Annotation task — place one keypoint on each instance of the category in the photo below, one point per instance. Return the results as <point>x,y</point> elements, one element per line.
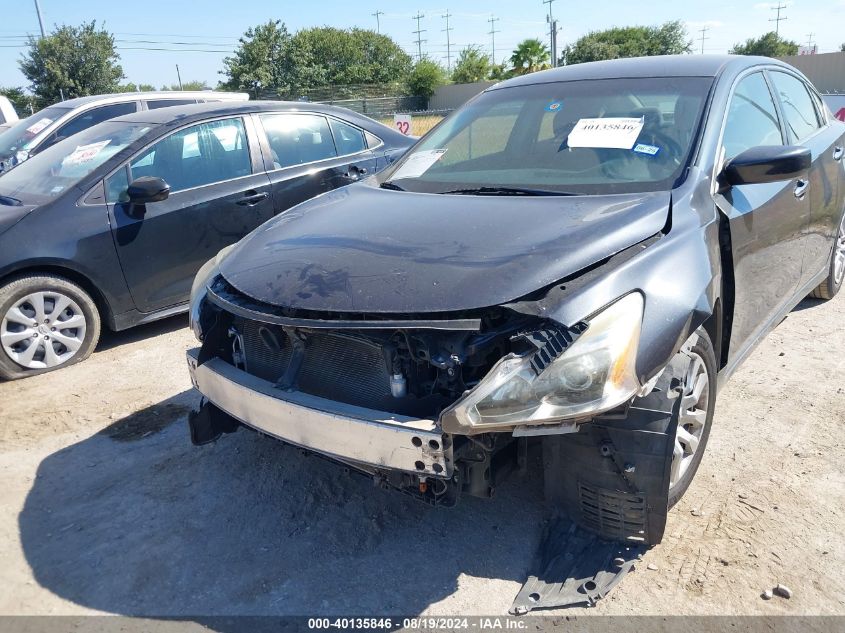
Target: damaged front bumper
<point>348,433</point>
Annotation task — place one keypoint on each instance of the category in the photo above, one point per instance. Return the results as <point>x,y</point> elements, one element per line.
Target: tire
<point>700,359</point>
<point>33,309</point>
<point>829,288</point>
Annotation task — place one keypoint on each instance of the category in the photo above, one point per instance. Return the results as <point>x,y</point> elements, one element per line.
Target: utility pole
<point>492,34</point>
<point>448,30</point>
<point>703,37</point>
<point>40,21</point>
<point>419,16</point>
<point>810,43</point>
<point>778,19</point>
<point>179,76</point>
<point>552,32</point>
<point>378,22</point>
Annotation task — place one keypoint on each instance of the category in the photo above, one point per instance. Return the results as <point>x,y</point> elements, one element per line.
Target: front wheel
<point>831,286</point>
<point>46,323</point>
<point>697,390</point>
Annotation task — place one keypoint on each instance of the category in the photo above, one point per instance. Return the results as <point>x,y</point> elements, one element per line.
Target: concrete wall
<point>826,71</point>
<point>455,95</point>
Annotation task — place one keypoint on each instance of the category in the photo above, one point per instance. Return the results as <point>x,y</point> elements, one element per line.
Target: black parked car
<point>112,224</point>
<point>580,256</point>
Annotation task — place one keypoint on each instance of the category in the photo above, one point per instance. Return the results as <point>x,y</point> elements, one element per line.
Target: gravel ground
<point>106,507</point>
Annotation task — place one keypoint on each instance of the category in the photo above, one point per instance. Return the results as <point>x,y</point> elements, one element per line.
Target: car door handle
<point>801,188</point>
<point>252,198</point>
<point>837,153</point>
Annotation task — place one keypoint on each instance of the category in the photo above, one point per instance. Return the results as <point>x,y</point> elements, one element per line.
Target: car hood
<point>365,249</point>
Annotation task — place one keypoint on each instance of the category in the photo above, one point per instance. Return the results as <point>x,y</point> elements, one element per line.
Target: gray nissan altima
<point>576,259</point>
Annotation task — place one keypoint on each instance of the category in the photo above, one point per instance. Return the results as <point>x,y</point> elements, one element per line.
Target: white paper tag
<point>611,132</point>
<point>39,125</point>
<point>84,153</point>
<point>419,163</point>
<point>402,122</point>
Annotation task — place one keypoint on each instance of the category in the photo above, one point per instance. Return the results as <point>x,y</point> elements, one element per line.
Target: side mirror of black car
<point>147,189</point>
<point>768,164</point>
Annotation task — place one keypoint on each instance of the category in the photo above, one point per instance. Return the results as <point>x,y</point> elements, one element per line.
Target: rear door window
<point>297,139</point>
<point>798,107</point>
<point>347,138</point>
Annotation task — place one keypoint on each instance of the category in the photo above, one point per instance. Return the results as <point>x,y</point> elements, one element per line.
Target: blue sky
<point>197,35</point>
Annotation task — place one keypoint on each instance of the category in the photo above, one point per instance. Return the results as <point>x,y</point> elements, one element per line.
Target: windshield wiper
<point>389,185</point>
<point>9,201</point>
<point>506,191</point>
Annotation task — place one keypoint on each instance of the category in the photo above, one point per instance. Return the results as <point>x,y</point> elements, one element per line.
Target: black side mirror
<point>768,164</point>
<point>147,189</point>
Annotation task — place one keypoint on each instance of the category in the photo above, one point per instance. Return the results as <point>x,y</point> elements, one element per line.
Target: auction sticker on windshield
<point>39,125</point>
<point>419,163</point>
<point>84,153</point>
<point>611,132</point>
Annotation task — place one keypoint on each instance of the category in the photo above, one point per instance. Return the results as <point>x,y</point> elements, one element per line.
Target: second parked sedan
<point>113,224</point>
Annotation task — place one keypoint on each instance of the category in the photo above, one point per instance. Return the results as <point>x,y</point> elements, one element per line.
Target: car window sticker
<point>649,150</point>
<point>554,106</point>
<point>419,163</point>
<point>84,153</point>
<point>610,132</point>
<point>39,125</point>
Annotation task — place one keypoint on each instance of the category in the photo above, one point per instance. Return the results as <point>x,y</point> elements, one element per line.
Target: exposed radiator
<point>337,366</point>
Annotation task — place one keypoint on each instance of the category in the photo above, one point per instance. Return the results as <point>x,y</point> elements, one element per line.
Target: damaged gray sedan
<point>577,258</point>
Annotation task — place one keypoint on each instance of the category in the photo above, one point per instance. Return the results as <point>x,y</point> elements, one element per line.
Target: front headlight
<point>199,289</point>
<point>595,374</point>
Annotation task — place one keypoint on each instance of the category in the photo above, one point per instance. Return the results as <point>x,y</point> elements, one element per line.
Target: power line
<point>378,22</point>
<point>448,30</point>
<point>778,19</point>
<point>492,20</point>
<point>419,16</point>
<point>703,37</point>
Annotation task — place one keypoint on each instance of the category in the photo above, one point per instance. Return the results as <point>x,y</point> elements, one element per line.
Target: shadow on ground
<point>110,339</point>
<point>134,520</point>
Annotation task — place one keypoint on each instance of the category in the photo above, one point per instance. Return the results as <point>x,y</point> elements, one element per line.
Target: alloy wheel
<point>695,393</point>
<point>43,330</point>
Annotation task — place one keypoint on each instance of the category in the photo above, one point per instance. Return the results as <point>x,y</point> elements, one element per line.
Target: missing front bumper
<point>344,432</point>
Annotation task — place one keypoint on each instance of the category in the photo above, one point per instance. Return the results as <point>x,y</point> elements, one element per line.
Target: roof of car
<point>153,94</point>
<point>655,66</point>
<point>179,114</point>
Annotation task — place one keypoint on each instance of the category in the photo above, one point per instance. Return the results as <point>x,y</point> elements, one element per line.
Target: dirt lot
<point>106,507</point>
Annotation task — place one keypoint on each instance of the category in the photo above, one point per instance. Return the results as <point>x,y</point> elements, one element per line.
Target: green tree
<point>472,65</point>
<point>330,56</point>
<point>260,62</point>
<point>19,99</point>
<point>132,87</point>
<point>769,45</point>
<point>500,72</point>
<point>425,78</point>
<point>71,62</point>
<point>530,56</point>
<point>669,38</point>
<point>842,47</point>
<point>188,85</point>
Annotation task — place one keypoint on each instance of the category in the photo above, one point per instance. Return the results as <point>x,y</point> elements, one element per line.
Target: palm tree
<point>530,56</point>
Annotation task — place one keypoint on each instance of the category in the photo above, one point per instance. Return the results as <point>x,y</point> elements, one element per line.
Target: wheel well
<point>71,275</point>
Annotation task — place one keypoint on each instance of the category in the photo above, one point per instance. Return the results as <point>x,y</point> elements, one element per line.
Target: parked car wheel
<point>830,286</point>
<point>46,322</point>
<point>698,402</point>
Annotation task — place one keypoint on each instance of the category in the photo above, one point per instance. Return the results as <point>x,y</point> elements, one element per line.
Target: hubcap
<point>43,330</point>
<point>839,255</point>
<point>694,399</point>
